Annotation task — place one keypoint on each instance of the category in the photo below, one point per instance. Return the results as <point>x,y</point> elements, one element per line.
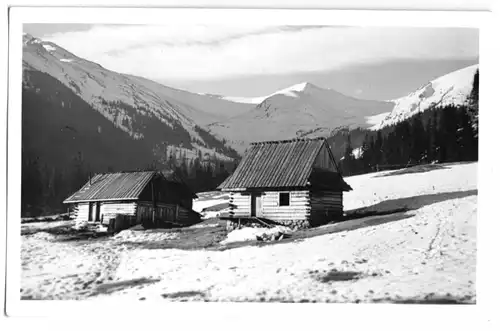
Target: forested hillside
<point>439,134</point>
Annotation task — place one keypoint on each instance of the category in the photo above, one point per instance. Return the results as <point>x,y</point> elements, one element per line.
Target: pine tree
<point>418,140</point>
<point>473,102</point>
<point>31,187</point>
<point>380,155</point>
<point>366,157</point>
<point>348,160</point>
<point>79,174</point>
<point>431,141</point>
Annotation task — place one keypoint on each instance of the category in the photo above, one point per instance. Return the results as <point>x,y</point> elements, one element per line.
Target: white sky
<point>221,52</point>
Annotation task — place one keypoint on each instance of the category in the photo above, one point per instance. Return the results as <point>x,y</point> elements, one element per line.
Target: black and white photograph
<point>214,160</point>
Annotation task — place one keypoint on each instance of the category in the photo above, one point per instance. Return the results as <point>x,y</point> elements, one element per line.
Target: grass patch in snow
<point>182,294</point>
<point>120,285</point>
<point>335,275</point>
<point>45,219</point>
<point>415,169</point>
<point>431,299</point>
<point>189,238</point>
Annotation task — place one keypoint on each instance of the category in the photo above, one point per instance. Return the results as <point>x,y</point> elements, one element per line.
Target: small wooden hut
<point>292,182</point>
<point>151,197</point>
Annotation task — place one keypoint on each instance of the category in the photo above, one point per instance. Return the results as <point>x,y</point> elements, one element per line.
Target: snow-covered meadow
<point>427,253</point>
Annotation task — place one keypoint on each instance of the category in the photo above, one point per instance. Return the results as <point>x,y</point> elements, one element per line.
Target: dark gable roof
<point>180,185</point>
<point>119,186</point>
<point>273,164</point>
<point>113,186</point>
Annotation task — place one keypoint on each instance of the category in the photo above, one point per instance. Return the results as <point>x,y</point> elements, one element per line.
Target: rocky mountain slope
<point>300,110</point>
<point>143,109</point>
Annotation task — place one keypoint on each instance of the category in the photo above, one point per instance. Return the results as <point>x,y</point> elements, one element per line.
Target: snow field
<point>429,250</point>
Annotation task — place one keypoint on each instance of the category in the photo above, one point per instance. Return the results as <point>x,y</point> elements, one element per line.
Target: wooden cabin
<point>291,182</point>
<point>152,197</point>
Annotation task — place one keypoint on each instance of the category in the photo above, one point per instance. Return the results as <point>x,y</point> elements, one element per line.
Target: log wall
<point>239,205</point>
<point>326,206</point>
<point>299,208</point>
<point>81,212</point>
<point>166,213</point>
<point>143,211</point>
<point>108,210</point>
<point>188,216</point>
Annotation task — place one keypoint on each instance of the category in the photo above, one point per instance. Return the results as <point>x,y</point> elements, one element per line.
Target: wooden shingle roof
<point>276,164</point>
<point>113,186</point>
<point>123,186</point>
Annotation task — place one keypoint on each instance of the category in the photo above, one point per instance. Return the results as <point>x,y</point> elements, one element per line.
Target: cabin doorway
<point>256,205</point>
<point>94,212</point>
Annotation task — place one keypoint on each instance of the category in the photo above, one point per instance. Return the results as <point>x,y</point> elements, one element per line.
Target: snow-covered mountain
<point>181,121</point>
<point>300,110</point>
<point>135,105</point>
<point>453,88</point>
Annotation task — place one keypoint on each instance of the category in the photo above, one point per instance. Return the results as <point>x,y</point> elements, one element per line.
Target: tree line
<point>439,134</point>
<point>201,173</point>
<point>45,187</point>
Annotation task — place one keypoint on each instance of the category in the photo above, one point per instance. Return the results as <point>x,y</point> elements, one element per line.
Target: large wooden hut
<point>148,197</point>
<point>292,182</point>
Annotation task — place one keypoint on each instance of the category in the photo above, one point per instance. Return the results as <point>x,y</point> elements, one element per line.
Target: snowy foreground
<point>424,254</point>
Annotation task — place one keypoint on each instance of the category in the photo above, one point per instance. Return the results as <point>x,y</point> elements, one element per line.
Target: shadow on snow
<point>409,203</point>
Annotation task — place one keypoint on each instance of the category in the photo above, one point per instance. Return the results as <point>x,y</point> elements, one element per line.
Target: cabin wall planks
<point>327,206</point>
<point>317,207</point>
<point>240,205</point>
<point>110,210</point>
<point>298,208</point>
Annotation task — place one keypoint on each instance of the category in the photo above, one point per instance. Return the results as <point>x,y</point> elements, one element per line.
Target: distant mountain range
<point>155,121</point>
<point>300,110</point>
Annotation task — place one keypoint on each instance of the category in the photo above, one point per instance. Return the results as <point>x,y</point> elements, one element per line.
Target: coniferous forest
<point>439,134</point>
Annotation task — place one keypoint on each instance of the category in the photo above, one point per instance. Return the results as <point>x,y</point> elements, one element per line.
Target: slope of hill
<point>427,254</point>
<point>300,110</point>
<point>141,108</point>
<point>451,89</point>
<point>58,126</point>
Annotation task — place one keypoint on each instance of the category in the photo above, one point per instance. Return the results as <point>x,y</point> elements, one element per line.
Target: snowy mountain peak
<point>453,88</point>
<point>301,87</point>
<point>299,110</point>
<point>29,39</point>
<point>292,91</point>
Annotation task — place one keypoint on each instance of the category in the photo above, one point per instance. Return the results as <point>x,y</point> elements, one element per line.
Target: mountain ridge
<point>300,110</point>
<point>122,98</point>
<point>451,89</point>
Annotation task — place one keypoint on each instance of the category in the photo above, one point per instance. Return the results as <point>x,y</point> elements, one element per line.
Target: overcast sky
<point>373,63</point>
